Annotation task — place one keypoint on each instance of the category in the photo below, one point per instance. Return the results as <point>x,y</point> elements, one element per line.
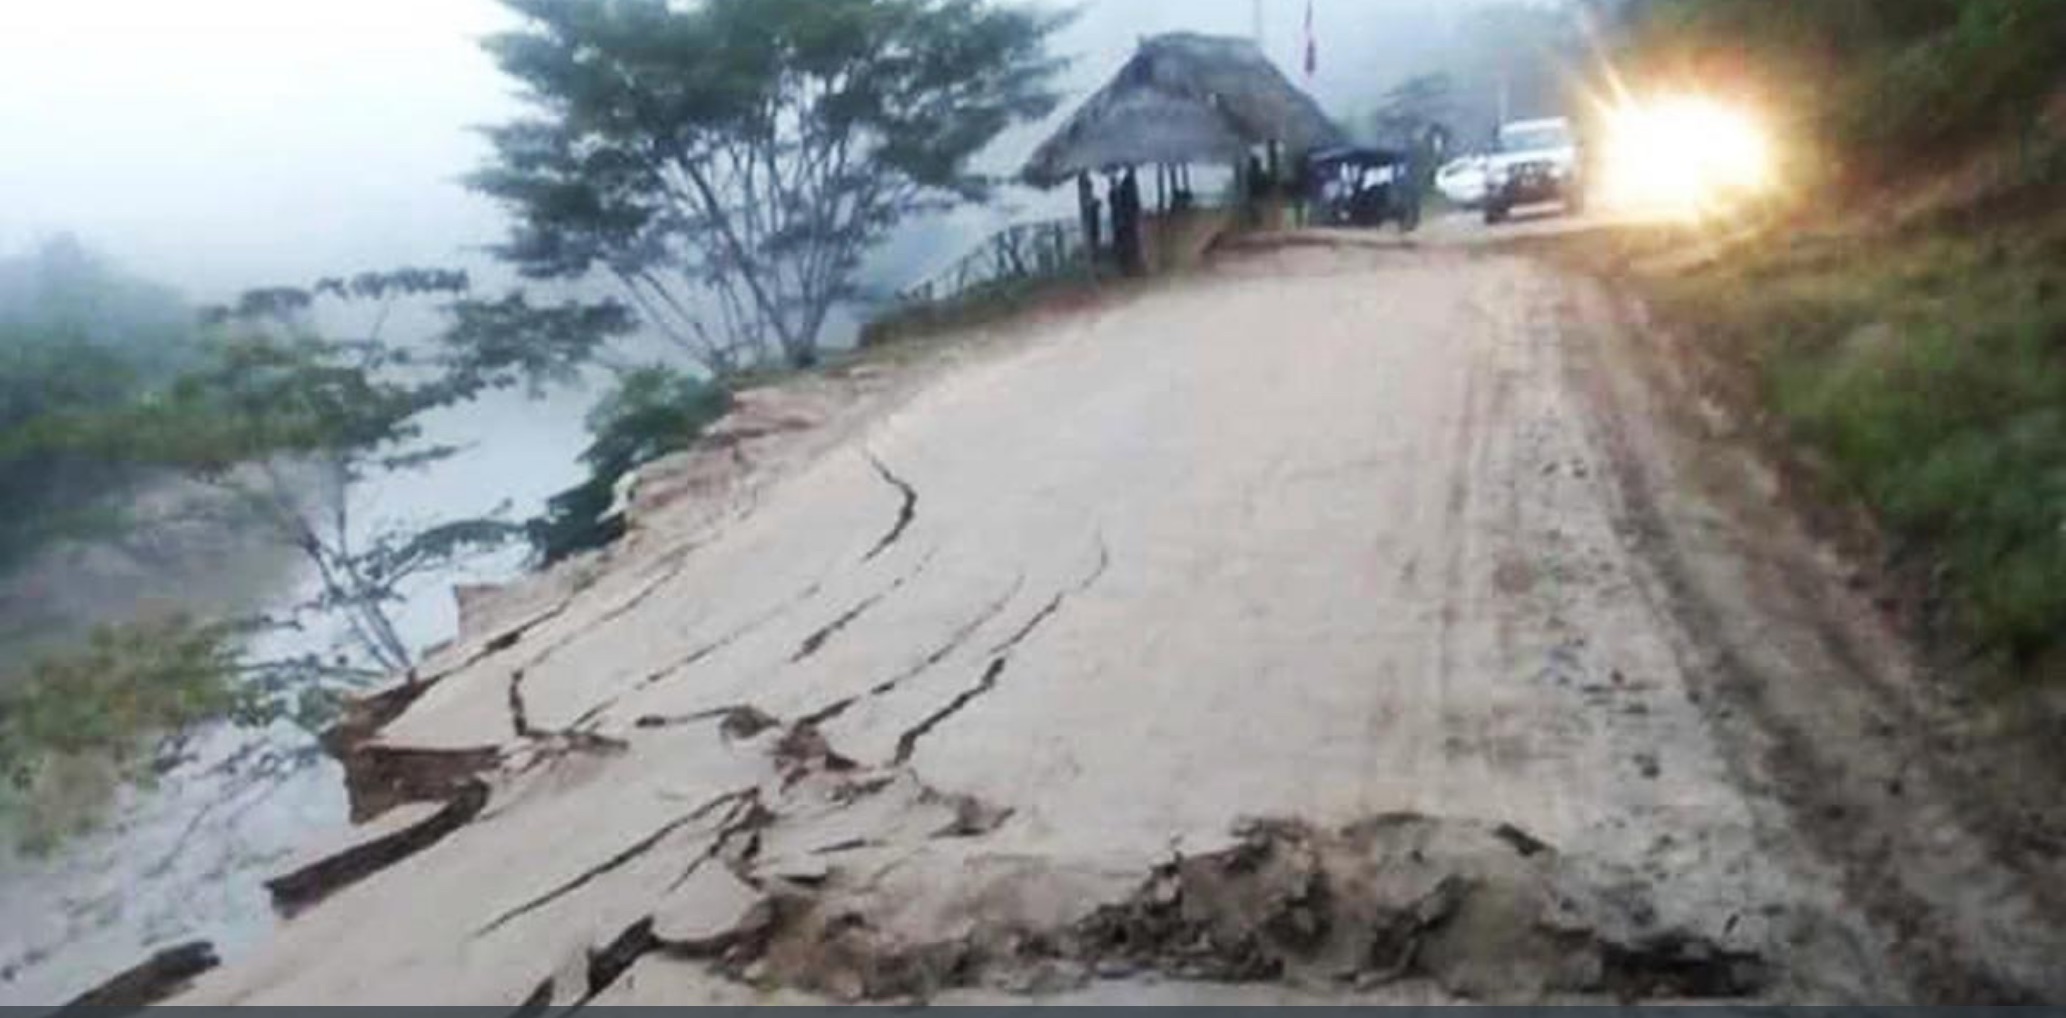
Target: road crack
<point>816,642</point>
<point>677,564</point>
<point>1000,661</point>
<point>907,511</point>
<point>907,743</point>
<point>519,712</point>
<point>553,743</point>
<point>748,816</point>
<point>698,656</point>
<point>954,642</point>
<point>738,723</point>
<point>623,858</point>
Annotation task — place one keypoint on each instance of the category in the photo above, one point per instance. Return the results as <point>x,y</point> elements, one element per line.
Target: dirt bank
<point>1334,626</point>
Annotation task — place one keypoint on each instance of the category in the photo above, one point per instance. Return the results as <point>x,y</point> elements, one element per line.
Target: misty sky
<point>221,144</point>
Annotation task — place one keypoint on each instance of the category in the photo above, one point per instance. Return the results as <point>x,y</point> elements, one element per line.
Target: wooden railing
<point>1027,251</point>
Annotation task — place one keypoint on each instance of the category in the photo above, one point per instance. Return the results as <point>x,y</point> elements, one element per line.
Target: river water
<point>186,859</point>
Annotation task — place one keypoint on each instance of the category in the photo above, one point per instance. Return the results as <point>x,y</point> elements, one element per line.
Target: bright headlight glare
<point>1684,153</point>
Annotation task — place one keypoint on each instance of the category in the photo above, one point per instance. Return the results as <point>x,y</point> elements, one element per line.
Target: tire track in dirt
<point>1791,698</point>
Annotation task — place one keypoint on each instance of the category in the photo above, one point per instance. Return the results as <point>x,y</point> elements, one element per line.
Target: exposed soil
<point>1344,625</point>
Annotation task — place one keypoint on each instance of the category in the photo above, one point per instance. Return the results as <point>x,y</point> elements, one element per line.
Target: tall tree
<point>1522,59</point>
<point>730,163</point>
<point>75,333</point>
<point>263,420</point>
<point>282,421</point>
<point>1414,107</point>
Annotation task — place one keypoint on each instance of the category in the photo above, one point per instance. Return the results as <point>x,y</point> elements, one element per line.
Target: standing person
<point>1126,223</point>
<point>1409,186</point>
<point>1263,205</point>
<point>1301,185</point>
<point>1093,219</point>
<point>1430,150</point>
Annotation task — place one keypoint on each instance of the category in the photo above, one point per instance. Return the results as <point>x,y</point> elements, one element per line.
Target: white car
<point>1537,161</point>
<point>1462,181</point>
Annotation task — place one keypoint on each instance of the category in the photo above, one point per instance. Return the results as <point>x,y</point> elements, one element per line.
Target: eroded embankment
<point>1122,660</point>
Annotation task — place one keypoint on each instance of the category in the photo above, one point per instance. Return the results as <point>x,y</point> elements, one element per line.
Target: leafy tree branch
<point>729,165</point>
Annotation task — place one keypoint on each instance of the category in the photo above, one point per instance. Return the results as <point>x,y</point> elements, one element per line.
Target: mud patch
<point>1485,913</point>
<point>379,778</point>
<point>1515,577</point>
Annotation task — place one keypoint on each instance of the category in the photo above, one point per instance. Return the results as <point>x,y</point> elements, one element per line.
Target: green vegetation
<point>988,304</point>
<point>1930,372</point>
<point>1923,361</point>
<point>268,426</point>
<point>75,335</point>
<point>652,412</point>
<point>278,423</point>
<point>1883,84</point>
<point>730,164</point>
<point>73,727</point>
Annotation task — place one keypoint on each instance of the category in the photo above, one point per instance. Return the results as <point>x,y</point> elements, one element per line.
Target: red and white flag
<point>1312,43</point>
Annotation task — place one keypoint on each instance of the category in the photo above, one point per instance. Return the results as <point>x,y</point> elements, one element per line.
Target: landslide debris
<point>292,892</point>
<point>1471,908</point>
<point>783,891</point>
<point>1487,913</point>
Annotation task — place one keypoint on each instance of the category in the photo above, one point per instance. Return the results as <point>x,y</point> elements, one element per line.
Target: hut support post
<point>1093,219</point>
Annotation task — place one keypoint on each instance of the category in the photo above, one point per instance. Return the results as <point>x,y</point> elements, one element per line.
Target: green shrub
<point>1929,372</point>
<point>1957,431</point>
<point>652,412</point>
<point>1927,368</point>
<point>1985,70</point>
<point>980,306</point>
<point>74,727</point>
<point>76,335</point>
<point>1886,83</point>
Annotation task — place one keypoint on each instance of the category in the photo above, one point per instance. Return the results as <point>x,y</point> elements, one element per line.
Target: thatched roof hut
<point>1184,98</point>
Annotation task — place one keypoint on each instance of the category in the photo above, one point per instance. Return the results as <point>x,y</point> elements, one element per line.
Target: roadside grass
<point>651,412</point>
<point>1890,85</point>
<point>1925,369</point>
<point>981,306</point>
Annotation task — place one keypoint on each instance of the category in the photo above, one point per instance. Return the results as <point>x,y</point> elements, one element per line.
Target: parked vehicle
<point>1536,161</point>
<point>1364,187</point>
<point>1462,181</point>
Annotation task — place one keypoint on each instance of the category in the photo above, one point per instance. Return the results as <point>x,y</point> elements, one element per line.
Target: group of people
<point>1124,190</point>
<point>1399,188</point>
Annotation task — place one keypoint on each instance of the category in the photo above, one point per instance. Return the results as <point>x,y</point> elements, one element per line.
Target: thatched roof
<point>1184,98</point>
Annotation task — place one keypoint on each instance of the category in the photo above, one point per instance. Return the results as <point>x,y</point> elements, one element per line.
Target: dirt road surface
<point>1342,624</point>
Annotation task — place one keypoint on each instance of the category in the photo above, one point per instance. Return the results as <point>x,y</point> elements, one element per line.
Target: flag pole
<point>1312,45</point>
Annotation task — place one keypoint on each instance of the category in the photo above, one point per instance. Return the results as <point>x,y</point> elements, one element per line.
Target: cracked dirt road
<point>1295,633</point>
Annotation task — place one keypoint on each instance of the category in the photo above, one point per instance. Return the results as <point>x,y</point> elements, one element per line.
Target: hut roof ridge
<point>1184,97</point>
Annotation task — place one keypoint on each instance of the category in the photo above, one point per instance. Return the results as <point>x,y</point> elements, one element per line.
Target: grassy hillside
<point>1906,323</point>
<point>1880,87</point>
